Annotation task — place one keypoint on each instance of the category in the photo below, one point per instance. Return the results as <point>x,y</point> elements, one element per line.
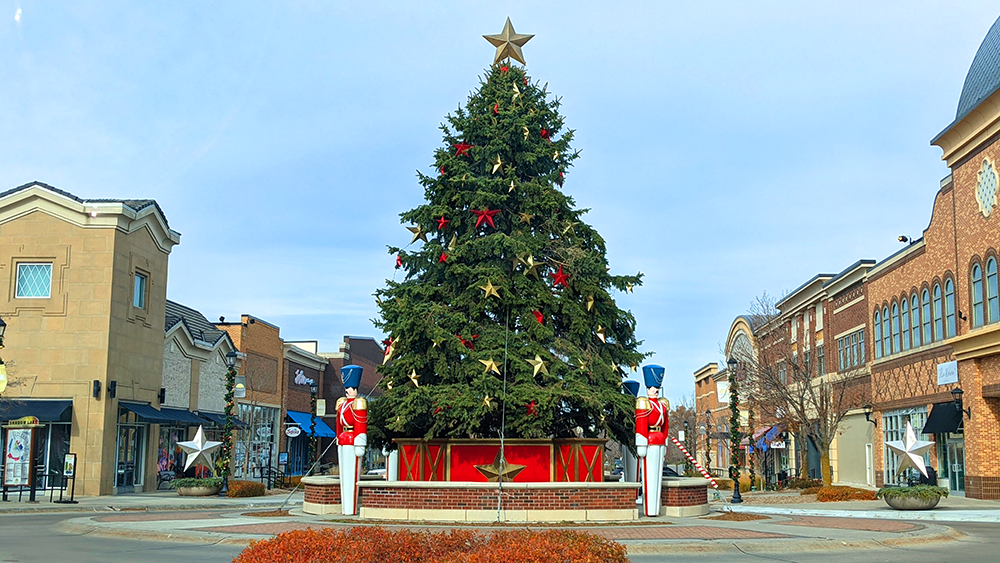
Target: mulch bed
<point>267,513</point>
<point>737,517</point>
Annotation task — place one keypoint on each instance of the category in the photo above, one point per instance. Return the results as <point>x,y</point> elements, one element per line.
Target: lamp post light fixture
<point>869,411</point>
<point>734,431</point>
<point>708,441</point>
<point>956,395</point>
<point>227,427</point>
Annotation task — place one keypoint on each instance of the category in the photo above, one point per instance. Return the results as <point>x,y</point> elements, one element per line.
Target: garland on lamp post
<point>312,424</point>
<point>227,427</point>
<point>708,440</point>
<point>734,432</point>
<point>751,453</point>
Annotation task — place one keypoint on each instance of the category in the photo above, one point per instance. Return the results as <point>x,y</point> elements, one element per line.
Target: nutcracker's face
<point>653,392</point>
<point>351,392</point>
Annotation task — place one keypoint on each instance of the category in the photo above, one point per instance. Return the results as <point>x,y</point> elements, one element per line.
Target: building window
<point>878,336</point>
<point>820,360</point>
<point>893,428</point>
<point>949,306</point>
<point>925,315</point>
<point>34,281</point>
<point>938,318</point>
<point>895,328</point>
<point>851,348</point>
<point>886,348</point>
<point>861,347</point>
<point>992,303</point>
<point>904,323</point>
<point>842,354</point>
<point>977,295</point>
<point>139,290</point>
<point>783,374</point>
<point>915,320</point>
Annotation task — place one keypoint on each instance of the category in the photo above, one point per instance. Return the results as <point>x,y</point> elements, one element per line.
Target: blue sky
<point>729,148</point>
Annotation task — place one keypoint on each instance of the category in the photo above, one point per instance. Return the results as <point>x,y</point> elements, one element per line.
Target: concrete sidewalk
<point>154,501</point>
<point>777,534</point>
<point>950,509</point>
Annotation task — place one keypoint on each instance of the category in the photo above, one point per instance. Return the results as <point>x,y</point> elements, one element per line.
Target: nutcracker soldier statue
<point>352,436</point>
<point>650,438</point>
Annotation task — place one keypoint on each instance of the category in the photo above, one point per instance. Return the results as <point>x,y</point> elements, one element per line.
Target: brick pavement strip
<point>862,524</point>
<point>156,516</point>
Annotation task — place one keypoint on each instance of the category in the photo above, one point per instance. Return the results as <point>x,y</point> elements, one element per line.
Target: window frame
<point>949,308</point>
<point>877,321</point>
<point>992,295</point>
<point>895,328</point>
<point>978,301</point>
<point>915,320</point>
<point>886,332</point>
<point>904,323</point>
<point>938,313</point>
<point>17,280</point>
<point>925,316</point>
<point>144,293</point>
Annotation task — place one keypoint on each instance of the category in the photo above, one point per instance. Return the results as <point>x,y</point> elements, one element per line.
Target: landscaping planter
<point>198,491</point>
<point>912,503</point>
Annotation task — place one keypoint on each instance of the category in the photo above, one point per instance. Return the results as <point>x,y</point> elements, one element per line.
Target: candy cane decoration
<point>695,462</point>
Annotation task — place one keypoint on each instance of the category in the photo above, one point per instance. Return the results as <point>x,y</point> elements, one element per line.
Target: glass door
<point>128,465</point>
<point>956,464</point>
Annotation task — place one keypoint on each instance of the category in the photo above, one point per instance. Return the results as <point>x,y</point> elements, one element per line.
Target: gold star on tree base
<point>500,470</point>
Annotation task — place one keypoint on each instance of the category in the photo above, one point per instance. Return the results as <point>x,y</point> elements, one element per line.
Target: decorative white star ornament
<point>199,448</point>
<point>508,43</point>
<point>910,451</point>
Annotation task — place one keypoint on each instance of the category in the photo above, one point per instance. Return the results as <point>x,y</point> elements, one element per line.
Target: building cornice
<point>976,343</point>
<point>295,354</point>
<point>965,135</point>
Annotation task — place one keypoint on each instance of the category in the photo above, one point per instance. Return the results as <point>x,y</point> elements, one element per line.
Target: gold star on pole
<point>490,366</point>
<point>508,43</point>
<point>486,401</point>
<point>418,233</point>
<point>454,242</point>
<point>526,217</point>
<point>602,334</point>
<point>590,303</point>
<point>500,470</point>
<point>496,165</point>
<point>414,377</point>
<point>539,364</point>
<point>531,267</point>
<point>490,289</point>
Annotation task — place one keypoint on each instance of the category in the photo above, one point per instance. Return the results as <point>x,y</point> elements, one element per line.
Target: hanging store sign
<point>293,431</point>
<point>947,373</point>
<point>777,445</point>
<point>320,407</point>
<point>24,421</point>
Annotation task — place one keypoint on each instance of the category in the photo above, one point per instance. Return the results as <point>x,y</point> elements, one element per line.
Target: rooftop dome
<point>984,74</point>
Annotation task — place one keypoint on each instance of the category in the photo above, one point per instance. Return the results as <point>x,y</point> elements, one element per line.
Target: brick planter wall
<point>322,495</point>
<point>684,496</point>
<point>521,502</point>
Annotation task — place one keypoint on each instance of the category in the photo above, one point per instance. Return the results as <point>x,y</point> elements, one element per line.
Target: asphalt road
<point>981,544</point>
<point>35,538</point>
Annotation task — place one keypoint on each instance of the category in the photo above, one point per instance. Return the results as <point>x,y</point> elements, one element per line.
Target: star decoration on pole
<point>910,451</point>
<point>418,233</point>
<point>485,215</point>
<point>199,449</point>
<point>490,366</point>
<point>414,377</point>
<point>442,223</point>
<point>500,470</point>
<point>539,364</point>
<point>508,44</point>
<point>462,148</point>
<point>559,278</point>
<point>490,289</point>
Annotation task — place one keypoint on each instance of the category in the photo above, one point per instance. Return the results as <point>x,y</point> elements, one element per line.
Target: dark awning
<point>944,417</point>
<point>146,412</point>
<point>304,421</point>
<point>181,416</point>
<point>45,411</point>
<point>220,419</point>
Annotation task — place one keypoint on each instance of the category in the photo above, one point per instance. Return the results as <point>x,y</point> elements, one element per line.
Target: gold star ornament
<point>590,303</point>
<point>418,234</point>
<point>539,364</point>
<point>490,289</point>
<point>602,334</point>
<point>490,366</point>
<point>531,267</point>
<point>414,377</point>
<point>508,43</point>
<point>496,165</point>
<point>486,401</point>
<point>500,470</point>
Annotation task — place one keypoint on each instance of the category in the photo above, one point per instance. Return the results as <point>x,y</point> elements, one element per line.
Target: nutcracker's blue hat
<point>632,386</point>
<point>653,374</point>
<point>351,375</point>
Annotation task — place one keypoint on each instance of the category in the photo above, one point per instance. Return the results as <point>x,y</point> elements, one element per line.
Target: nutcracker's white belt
<point>656,429</point>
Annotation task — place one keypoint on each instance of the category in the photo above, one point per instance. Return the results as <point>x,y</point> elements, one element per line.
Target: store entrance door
<point>956,464</point>
<point>128,466</point>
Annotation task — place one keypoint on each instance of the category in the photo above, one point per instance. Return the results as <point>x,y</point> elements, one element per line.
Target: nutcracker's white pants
<point>349,465</point>
<point>652,477</point>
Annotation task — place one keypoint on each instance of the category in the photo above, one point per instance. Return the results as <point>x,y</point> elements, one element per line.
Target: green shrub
<point>242,489</point>
<point>924,492</point>
<point>195,482</point>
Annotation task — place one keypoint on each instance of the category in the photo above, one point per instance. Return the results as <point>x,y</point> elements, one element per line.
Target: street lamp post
<point>313,390</point>
<point>708,441</point>
<point>734,431</point>
<point>687,444</point>
<point>227,427</point>
<point>3,368</point>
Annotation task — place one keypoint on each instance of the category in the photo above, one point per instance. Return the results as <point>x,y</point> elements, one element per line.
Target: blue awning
<point>44,411</point>
<point>146,412</point>
<point>220,419</point>
<point>182,416</point>
<point>304,420</point>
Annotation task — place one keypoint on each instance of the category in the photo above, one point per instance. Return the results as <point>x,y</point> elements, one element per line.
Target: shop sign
<point>17,457</point>
<point>320,407</point>
<point>293,431</point>
<point>23,421</point>
<point>69,466</point>
<point>283,458</point>
<point>777,445</point>
<point>947,373</point>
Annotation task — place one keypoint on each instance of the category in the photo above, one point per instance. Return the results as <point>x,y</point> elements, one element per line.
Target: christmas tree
<point>504,322</point>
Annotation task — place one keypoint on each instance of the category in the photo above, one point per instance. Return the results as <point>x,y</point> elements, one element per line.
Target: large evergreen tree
<point>504,282</point>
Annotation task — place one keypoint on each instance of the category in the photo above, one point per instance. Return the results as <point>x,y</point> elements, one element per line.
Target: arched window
<point>915,320</point>
<point>949,307</point>
<point>977,296</point>
<point>895,328</point>
<point>904,323</point>
<point>992,303</point>
<point>938,317</point>
<point>886,348</point>
<point>878,335</point>
<point>925,315</point>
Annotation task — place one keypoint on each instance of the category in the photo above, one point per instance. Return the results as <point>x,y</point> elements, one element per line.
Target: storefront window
<point>894,428</point>
<point>256,447</point>
<point>170,457</point>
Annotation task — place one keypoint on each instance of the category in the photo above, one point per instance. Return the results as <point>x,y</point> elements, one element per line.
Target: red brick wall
<point>683,496</point>
<point>323,494</point>
<point>486,499</point>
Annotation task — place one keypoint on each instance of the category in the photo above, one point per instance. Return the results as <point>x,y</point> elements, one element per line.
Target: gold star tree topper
<point>508,43</point>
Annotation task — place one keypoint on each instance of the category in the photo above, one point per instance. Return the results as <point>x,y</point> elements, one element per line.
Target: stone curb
<point>981,516</point>
<point>633,547</point>
<point>71,508</point>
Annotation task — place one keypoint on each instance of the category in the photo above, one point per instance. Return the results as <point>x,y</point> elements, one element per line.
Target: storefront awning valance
<point>45,411</point>
<point>304,420</point>
<point>146,412</point>
<point>944,418</point>
<point>220,419</point>
<point>182,417</point>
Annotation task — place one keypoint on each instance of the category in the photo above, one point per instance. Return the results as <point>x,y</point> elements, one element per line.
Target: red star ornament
<point>539,316</point>
<point>442,222</point>
<point>485,215</point>
<point>504,69</point>
<point>559,278</point>
<point>442,258</point>
<point>532,408</point>
<point>462,148</point>
<point>545,135</point>
<point>442,170</point>
<point>399,260</point>
<point>470,343</point>
<point>496,108</point>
